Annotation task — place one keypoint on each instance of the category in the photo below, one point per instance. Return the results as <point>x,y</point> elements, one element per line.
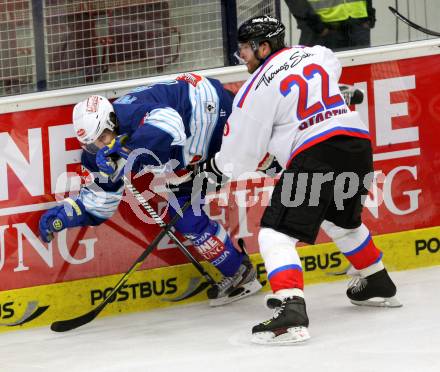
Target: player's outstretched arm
<point>71,213</point>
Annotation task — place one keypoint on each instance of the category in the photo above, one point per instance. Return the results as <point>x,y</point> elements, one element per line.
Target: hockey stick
<point>69,324</point>
<point>153,214</point>
<point>412,24</point>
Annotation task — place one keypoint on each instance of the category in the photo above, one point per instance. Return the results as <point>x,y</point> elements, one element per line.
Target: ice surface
<point>198,338</point>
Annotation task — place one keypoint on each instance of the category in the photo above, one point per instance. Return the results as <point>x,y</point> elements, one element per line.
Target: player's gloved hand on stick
<point>114,169</point>
<point>270,166</point>
<point>351,94</point>
<point>70,214</point>
<point>209,177</point>
<point>117,146</point>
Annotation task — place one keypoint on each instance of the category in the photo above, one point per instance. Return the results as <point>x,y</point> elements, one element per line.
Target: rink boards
<point>39,157</point>
<point>154,288</point>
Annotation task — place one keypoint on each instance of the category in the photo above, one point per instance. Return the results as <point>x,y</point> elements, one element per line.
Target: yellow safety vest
<point>339,10</point>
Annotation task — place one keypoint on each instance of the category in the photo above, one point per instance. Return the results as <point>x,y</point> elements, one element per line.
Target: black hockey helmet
<point>262,28</point>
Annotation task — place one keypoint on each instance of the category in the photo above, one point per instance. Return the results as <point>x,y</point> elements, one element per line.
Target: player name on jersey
<point>321,117</point>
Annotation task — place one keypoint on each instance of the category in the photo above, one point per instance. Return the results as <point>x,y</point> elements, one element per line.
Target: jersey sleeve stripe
<point>102,204</point>
<point>169,121</point>
<point>203,119</point>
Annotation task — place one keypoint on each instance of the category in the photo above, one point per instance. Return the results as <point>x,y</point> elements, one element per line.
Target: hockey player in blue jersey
<point>173,122</point>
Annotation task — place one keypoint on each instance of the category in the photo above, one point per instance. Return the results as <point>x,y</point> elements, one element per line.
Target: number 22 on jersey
<point>304,109</point>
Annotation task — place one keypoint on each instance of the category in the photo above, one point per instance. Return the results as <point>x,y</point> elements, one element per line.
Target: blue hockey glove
<point>71,214</point>
<point>50,223</point>
<point>114,169</point>
<point>117,147</point>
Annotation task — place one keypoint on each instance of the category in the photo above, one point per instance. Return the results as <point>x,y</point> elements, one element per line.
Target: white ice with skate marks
<point>196,337</point>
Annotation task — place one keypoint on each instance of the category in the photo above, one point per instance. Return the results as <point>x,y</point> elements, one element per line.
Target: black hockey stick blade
<point>412,24</point>
<point>69,324</point>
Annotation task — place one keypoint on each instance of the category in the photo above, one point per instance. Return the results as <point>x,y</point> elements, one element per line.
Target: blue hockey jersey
<point>180,119</point>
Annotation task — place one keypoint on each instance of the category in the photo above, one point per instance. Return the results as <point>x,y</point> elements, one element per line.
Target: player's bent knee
<point>335,232</point>
<point>269,238</point>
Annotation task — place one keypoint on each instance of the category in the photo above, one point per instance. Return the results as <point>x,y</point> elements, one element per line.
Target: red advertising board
<point>401,106</point>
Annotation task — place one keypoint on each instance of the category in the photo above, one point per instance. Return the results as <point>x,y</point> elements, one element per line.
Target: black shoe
<point>374,290</point>
<point>231,288</point>
<point>288,325</point>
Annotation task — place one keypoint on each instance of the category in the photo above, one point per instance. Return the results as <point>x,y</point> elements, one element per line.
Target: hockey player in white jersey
<point>291,106</point>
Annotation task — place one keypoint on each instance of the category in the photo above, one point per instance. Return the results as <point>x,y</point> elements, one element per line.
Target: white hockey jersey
<point>290,103</point>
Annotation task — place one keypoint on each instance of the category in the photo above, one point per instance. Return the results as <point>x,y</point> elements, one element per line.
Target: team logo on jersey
<point>210,107</point>
<point>190,78</point>
<point>226,129</point>
<point>222,113</point>
<point>92,104</point>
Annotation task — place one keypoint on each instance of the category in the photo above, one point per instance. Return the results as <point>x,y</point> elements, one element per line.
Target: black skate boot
<point>374,290</point>
<point>232,288</point>
<point>288,325</point>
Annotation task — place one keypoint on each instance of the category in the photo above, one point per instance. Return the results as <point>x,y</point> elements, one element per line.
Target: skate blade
<point>237,294</point>
<point>294,335</point>
<point>379,302</point>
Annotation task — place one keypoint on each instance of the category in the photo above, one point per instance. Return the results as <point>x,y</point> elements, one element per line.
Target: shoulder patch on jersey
<point>190,78</point>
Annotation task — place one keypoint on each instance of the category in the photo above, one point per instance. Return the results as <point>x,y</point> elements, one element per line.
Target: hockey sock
<point>357,246</point>
<point>214,244</point>
<point>281,259</point>
<point>210,239</point>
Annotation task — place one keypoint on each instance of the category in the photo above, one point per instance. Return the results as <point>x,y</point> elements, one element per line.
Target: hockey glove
<point>210,178</point>
<point>351,94</point>
<point>113,169</point>
<point>108,167</point>
<point>71,214</point>
<point>117,147</point>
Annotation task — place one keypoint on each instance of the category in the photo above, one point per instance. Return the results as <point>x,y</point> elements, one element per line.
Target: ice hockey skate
<point>232,288</point>
<point>374,290</point>
<point>288,325</point>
